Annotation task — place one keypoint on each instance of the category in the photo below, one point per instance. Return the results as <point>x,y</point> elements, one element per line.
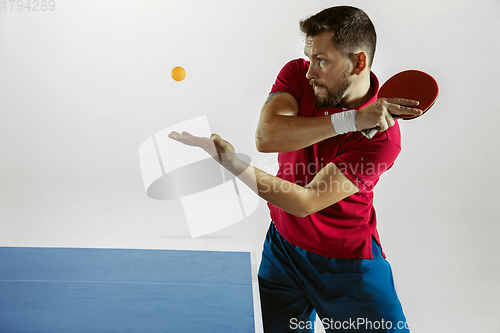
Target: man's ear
<point>360,62</point>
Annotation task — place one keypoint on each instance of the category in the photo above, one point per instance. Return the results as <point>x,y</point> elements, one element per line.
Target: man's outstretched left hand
<point>220,150</point>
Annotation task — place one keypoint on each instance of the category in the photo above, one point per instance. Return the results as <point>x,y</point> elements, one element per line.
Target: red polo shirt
<point>345,229</point>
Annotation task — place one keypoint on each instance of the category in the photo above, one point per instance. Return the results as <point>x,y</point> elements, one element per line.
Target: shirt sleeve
<point>364,164</point>
<point>291,79</point>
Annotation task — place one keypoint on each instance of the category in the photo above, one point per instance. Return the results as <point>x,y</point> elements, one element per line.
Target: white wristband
<point>344,122</point>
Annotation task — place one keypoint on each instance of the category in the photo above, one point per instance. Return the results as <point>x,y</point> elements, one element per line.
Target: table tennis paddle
<point>410,84</point>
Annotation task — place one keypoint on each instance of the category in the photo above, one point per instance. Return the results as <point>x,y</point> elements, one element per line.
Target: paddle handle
<point>370,132</point>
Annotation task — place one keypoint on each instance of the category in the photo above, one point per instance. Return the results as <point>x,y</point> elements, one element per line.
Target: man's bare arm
<point>328,187</point>
<point>281,130</point>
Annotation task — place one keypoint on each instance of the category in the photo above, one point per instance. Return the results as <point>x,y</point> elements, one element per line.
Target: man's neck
<point>361,92</point>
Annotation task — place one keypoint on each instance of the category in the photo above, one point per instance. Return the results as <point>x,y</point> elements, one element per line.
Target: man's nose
<point>311,73</point>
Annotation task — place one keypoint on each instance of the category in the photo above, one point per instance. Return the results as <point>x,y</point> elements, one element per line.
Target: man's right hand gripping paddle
<point>406,95</point>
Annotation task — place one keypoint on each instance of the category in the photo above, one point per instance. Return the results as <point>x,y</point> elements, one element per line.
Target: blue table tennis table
<point>64,290</point>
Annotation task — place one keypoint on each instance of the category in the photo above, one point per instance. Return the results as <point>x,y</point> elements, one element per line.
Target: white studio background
<point>81,87</point>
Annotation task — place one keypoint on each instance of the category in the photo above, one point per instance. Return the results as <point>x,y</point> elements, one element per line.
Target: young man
<point>322,251</point>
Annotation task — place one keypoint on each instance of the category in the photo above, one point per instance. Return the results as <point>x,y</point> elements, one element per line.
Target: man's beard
<point>333,95</point>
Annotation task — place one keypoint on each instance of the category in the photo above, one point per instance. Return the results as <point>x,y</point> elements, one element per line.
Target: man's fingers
<point>403,106</point>
<point>190,140</point>
<point>382,113</point>
<point>403,110</point>
<point>214,145</point>
<point>403,101</point>
<point>177,135</point>
<point>219,142</point>
<point>390,121</point>
<point>173,135</point>
<point>383,124</point>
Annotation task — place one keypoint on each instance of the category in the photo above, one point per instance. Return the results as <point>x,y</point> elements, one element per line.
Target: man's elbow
<point>301,214</point>
<point>304,208</point>
<point>261,143</point>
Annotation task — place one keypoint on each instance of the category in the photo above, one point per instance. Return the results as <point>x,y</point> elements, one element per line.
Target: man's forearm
<point>328,186</point>
<point>286,195</point>
<point>289,133</point>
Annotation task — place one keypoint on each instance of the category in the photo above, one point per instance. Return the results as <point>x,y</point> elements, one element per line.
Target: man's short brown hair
<point>351,29</point>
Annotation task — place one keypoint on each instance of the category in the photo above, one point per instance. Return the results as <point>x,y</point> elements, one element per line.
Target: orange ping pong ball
<point>178,73</point>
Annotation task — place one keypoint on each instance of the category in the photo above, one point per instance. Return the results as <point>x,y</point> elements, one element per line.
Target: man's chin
<point>322,103</point>
<point>326,103</point>
<point>321,94</point>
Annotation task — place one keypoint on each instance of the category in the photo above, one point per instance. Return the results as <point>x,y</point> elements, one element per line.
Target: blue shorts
<point>355,295</point>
